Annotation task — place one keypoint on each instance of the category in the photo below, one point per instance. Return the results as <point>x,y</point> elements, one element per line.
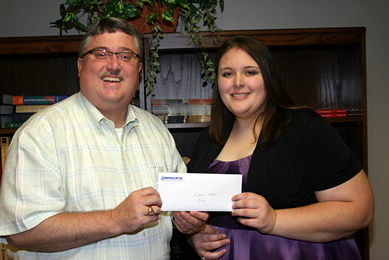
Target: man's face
<point>109,84</point>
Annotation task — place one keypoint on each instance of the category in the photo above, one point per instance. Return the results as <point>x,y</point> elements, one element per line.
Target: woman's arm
<point>340,212</point>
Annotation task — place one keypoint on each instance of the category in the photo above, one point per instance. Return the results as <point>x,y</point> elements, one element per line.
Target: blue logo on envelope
<point>171,178</point>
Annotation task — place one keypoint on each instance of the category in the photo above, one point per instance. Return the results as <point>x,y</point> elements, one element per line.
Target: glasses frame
<point>110,54</point>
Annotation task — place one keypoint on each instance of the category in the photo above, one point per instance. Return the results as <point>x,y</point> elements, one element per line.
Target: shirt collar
<point>98,118</point>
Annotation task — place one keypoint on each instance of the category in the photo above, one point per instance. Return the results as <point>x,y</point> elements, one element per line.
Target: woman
<point>304,193</point>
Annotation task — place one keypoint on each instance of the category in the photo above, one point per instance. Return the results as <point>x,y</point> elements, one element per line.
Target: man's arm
<point>69,230</point>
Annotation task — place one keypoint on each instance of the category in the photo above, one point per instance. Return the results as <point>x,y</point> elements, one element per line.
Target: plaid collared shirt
<point>69,158</point>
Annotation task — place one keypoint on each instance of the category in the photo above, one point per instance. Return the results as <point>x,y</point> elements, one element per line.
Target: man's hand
<point>190,222</point>
<point>133,212</point>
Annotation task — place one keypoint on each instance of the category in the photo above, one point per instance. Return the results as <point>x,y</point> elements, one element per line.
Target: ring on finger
<point>203,258</point>
<point>150,211</point>
<point>193,228</point>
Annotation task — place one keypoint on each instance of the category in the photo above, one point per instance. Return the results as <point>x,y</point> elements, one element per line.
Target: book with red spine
<point>337,111</point>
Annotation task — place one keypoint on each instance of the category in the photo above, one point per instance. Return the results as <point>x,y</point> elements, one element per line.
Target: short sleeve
<point>326,158</point>
<point>32,189</point>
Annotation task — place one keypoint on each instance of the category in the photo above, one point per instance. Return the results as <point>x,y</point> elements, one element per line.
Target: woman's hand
<point>254,211</point>
<point>207,240</point>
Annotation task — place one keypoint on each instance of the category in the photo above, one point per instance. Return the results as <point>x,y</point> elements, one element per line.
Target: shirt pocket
<point>153,172</point>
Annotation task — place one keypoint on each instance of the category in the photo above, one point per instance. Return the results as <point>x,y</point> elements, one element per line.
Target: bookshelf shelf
<point>10,131</point>
<point>186,125</point>
<point>323,68</point>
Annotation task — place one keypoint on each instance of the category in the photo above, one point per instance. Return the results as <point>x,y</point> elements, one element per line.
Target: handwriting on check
<point>203,196</point>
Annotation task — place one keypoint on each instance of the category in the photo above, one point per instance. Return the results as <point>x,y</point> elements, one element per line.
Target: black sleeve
<point>327,160</point>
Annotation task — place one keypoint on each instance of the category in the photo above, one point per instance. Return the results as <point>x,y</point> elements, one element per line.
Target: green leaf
<point>167,16</point>
<point>68,18</point>
<point>159,28</point>
<point>62,10</point>
<point>152,16</point>
<point>131,10</point>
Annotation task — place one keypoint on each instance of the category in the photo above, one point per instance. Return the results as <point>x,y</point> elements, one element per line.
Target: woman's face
<point>241,85</point>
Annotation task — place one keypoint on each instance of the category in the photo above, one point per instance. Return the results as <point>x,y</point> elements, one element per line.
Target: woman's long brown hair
<point>278,109</point>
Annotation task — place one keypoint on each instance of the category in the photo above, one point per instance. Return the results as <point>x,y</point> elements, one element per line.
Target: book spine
<point>199,119</point>
<point>6,99</point>
<point>340,115</point>
<point>6,109</point>
<point>3,247</point>
<point>13,124</point>
<point>29,108</point>
<point>4,142</point>
<point>21,117</point>
<point>37,100</point>
<point>5,119</point>
<point>337,111</point>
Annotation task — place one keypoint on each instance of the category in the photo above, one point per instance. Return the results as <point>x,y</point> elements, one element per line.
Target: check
<point>198,192</point>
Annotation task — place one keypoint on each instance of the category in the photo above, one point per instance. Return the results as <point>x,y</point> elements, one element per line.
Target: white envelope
<point>198,192</point>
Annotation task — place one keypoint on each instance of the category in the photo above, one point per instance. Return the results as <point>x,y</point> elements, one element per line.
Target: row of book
<point>339,112</point>
<point>182,110</point>
<point>15,110</point>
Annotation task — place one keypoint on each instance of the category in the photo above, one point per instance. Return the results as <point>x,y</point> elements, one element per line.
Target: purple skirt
<point>248,243</point>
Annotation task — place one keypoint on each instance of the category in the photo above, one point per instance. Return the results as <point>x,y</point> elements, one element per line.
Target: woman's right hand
<point>207,240</point>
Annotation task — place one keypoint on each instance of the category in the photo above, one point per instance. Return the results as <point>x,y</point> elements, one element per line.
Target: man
<point>80,176</point>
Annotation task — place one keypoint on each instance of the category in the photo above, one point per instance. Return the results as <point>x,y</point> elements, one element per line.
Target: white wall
<point>32,18</point>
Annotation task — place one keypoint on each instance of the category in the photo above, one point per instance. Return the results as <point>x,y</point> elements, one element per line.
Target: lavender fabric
<point>248,243</point>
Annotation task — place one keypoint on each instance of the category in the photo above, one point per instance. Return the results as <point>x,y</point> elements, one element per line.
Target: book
<point>13,124</point>
<point>3,250</point>
<point>5,119</point>
<point>337,111</point>
<point>29,108</point>
<point>6,99</point>
<point>21,117</point>
<point>4,142</point>
<point>199,119</point>
<point>6,109</point>
<point>37,100</point>
<point>340,114</point>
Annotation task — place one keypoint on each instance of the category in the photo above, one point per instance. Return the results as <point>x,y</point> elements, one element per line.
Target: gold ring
<point>150,212</point>
<point>193,228</point>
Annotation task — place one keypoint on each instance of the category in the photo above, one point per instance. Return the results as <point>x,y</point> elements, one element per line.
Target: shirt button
<point>144,234</point>
<point>129,175</point>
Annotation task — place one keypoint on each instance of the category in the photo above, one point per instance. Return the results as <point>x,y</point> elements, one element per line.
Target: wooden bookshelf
<point>323,68</point>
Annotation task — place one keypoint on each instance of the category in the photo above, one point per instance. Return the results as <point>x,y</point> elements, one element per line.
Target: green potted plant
<point>158,12</point>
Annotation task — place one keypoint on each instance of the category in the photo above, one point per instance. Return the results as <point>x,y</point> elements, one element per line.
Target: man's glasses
<point>125,56</point>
